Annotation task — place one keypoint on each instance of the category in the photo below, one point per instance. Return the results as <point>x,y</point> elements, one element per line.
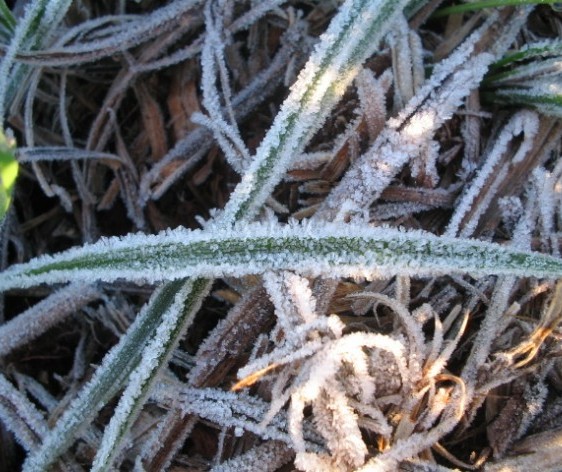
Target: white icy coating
<point>36,320</point>
<point>487,334</point>
<point>292,298</point>
<point>153,357</point>
<point>399,41</point>
<point>25,35</point>
<point>20,416</point>
<point>406,135</point>
<point>372,95</point>
<point>534,94</point>
<point>524,122</point>
<point>311,249</point>
<point>137,29</point>
<point>536,70</point>
<point>213,66</point>
<point>267,457</point>
<point>234,410</point>
<point>545,184</point>
<point>89,400</point>
<point>332,66</point>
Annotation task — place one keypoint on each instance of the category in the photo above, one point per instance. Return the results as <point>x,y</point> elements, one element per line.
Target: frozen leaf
<point>107,381</point>
<point>406,135</point>
<point>157,350</point>
<point>21,416</point>
<point>45,314</point>
<point>352,36</point>
<point>267,457</point>
<point>329,249</point>
<point>39,20</point>
<point>471,204</point>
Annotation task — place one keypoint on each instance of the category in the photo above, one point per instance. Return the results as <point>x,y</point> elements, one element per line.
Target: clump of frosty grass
<point>378,290</point>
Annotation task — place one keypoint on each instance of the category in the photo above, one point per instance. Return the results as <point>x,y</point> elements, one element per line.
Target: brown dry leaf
<point>183,101</point>
<point>153,122</point>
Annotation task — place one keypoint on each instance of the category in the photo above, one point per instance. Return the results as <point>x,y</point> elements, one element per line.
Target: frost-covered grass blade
<point>475,6</point>
<point>329,250</point>
<point>175,320</point>
<point>529,77</point>
<point>529,51</point>
<point>39,20</point>
<point>7,22</point>
<point>350,39</point>
<point>544,97</point>
<point>107,381</point>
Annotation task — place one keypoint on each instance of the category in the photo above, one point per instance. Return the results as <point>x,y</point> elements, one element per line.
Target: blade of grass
<point>6,18</point>
<point>329,249</point>
<point>530,51</point>
<point>352,36</point>
<point>107,381</point>
<point>40,18</point>
<point>174,322</point>
<point>475,6</point>
<point>545,98</point>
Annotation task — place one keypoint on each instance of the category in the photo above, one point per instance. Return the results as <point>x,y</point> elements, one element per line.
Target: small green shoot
<point>8,172</point>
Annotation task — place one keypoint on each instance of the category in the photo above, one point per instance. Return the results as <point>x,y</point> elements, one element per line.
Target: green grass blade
<point>7,19</point>
<point>352,36</point>
<point>8,172</point>
<point>545,98</point>
<point>41,17</point>
<point>413,7</point>
<point>107,381</point>
<point>156,353</point>
<point>531,51</point>
<point>328,249</point>
<point>475,6</point>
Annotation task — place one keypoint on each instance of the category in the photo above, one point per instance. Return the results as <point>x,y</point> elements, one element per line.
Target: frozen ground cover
<point>281,235</point>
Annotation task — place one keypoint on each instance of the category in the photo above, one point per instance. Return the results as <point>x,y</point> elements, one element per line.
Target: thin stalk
<point>475,6</point>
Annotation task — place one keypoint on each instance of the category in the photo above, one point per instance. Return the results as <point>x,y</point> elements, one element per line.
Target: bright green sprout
<point>8,171</point>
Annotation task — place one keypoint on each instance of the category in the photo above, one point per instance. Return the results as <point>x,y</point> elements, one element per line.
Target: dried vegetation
<point>139,116</point>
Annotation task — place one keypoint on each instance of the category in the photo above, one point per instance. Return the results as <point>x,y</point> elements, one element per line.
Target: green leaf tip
<point>8,171</point>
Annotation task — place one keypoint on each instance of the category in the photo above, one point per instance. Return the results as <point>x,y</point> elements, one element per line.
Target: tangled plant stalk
<point>373,285</point>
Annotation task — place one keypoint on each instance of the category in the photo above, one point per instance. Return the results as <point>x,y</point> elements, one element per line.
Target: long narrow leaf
<point>351,38</point>
<point>475,6</point>
<point>545,97</point>
<point>329,250</point>
<point>40,18</point>
<point>107,381</point>
<point>547,48</point>
<point>174,322</point>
